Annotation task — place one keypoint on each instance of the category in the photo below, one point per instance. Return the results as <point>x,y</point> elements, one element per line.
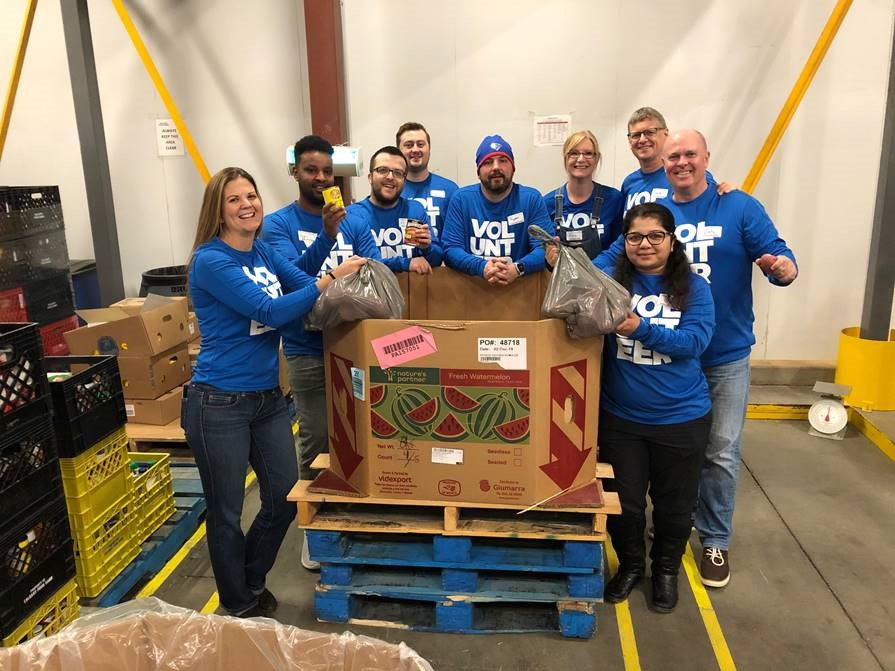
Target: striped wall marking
<point>872,432</point>
<point>707,611</point>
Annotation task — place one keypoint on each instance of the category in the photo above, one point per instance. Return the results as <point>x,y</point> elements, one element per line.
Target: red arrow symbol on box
<point>344,439</point>
<point>567,407</point>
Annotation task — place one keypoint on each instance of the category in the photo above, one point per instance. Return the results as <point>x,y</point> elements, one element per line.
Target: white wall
<point>238,73</point>
<point>466,69</point>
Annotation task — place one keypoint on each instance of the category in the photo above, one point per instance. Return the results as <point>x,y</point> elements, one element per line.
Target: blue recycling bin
<point>86,284</point>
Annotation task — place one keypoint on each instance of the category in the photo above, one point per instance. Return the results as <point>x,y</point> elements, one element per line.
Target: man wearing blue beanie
<point>486,227</point>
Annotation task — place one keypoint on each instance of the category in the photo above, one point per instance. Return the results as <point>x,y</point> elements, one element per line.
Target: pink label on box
<point>403,346</point>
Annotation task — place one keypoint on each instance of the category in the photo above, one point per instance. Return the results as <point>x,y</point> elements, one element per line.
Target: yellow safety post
<point>868,367</point>
<point>162,89</point>
<point>796,95</point>
<point>16,73</point>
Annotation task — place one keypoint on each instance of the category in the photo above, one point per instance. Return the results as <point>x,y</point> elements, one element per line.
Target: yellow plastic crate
<point>153,491</point>
<point>50,617</point>
<point>104,549</point>
<point>96,479</point>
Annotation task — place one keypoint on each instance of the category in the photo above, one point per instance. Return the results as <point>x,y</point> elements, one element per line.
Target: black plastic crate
<point>87,406</point>
<point>29,467</point>
<point>37,559</point>
<point>28,259</point>
<point>23,386</point>
<point>29,210</point>
<point>49,300</point>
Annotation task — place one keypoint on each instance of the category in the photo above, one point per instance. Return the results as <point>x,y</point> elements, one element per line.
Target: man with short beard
<point>386,214</point>
<point>317,237</point>
<point>431,191</point>
<point>486,228</point>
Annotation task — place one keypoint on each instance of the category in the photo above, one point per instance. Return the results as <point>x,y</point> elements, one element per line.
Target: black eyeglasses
<point>648,132</point>
<point>586,155</point>
<point>653,237</point>
<point>382,171</point>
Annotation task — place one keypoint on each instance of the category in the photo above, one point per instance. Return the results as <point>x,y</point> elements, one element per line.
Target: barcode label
<point>129,409</point>
<point>403,346</point>
<point>446,455</point>
<point>358,383</point>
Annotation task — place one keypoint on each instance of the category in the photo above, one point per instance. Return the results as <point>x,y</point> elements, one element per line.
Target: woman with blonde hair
<point>587,214</point>
<point>233,411</point>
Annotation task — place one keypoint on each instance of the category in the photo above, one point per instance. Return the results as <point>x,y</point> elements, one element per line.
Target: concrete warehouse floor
<point>813,581</point>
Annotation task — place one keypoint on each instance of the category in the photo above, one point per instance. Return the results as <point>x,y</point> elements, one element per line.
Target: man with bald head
<point>723,236</point>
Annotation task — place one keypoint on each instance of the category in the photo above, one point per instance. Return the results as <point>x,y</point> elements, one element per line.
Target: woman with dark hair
<point>654,406</point>
<point>233,412</point>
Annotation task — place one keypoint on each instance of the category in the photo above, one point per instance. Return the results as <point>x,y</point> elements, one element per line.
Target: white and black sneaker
<point>714,569</point>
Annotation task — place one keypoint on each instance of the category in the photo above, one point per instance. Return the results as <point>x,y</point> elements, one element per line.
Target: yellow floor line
<point>159,578</point>
<point>776,411</point>
<point>623,619</point>
<point>872,432</point>
<point>211,605</point>
<point>709,619</point>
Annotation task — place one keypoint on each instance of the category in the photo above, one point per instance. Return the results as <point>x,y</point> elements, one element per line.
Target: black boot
<point>664,597</point>
<point>623,582</point>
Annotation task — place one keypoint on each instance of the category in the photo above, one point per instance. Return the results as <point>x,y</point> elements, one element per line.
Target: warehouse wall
<point>238,75</point>
<point>466,69</point>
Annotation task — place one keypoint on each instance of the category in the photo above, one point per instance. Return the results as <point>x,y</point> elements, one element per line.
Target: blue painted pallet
<point>417,583</point>
<point>189,508</point>
<point>572,619</point>
<point>424,550</point>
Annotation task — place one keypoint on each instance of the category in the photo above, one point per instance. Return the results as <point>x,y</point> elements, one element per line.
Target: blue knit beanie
<point>491,146</point>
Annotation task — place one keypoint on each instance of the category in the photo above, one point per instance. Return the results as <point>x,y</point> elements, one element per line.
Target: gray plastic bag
<point>370,293</point>
<point>591,302</point>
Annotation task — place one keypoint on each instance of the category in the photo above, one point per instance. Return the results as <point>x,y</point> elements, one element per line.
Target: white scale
<point>828,417</point>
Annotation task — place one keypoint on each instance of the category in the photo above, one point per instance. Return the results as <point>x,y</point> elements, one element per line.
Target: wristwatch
<point>520,269</point>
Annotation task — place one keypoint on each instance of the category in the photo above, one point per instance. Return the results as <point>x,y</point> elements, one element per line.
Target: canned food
<point>411,230</point>
<point>333,195</point>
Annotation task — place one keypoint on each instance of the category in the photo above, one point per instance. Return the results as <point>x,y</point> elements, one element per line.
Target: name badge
<point>517,218</point>
<point>437,193</point>
<point>576,235</point>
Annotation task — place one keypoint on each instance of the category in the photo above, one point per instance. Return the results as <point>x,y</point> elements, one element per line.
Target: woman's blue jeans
<point>227,431</point>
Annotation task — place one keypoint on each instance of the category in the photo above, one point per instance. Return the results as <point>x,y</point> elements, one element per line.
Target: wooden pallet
<point>158,438</point>
<point>572,619</point>
<point>400,516</point>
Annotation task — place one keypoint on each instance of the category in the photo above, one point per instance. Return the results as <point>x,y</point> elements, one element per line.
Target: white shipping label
<point>508,353</point>
<point>129,409</point>
<point>192,328</point>
<point>447,455</point>
<point>358,383</point>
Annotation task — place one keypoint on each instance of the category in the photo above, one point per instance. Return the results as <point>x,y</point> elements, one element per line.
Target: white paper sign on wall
<point>551,131</point>
<point>168,139</point>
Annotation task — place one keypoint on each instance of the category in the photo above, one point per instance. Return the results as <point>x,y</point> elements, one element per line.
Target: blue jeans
<point>729,389</point>
<point>226,432</point>
<point>307,379</point>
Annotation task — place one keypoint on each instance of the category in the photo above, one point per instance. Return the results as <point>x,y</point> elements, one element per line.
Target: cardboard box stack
<point>150,338</point>
<point>35,281</point>
<point>38,592</point>
<point>474,398</point>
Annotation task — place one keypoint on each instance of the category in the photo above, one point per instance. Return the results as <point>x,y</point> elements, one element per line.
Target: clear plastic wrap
<point>591,302</point>
<point>150,635</point>
<point>370,293</point>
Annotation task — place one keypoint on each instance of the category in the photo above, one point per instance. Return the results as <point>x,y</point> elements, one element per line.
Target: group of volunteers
<point>675,374</point>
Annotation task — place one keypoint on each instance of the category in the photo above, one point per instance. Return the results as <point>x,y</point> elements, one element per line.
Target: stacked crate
<point>37,581</point>
<point>35,282</point>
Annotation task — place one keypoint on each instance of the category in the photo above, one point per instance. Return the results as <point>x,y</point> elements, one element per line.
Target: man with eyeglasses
<point>647,132</point>
<point>723,236</point>
<point>317,237</point>
<point>486,229</point>
<point>403,248</point>
<point>431,191</point>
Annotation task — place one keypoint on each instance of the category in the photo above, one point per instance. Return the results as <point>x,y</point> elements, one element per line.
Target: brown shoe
<point>714,569</point>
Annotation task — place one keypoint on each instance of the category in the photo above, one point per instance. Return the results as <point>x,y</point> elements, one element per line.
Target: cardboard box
<point>135,304</point>
<point>150,377</point>
<point>192,327</point>
<point>504,411</point>
<point>158,325</point>
<point>162,410</point>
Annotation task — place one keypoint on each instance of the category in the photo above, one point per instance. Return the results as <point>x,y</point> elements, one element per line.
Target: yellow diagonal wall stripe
<point>162,89</point>
<point>16,73</point>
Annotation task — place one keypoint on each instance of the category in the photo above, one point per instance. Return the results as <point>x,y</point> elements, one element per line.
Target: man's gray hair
<point>645,113</point>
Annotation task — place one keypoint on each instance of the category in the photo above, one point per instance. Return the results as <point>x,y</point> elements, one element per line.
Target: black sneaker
<point>714,569</point>
<point>267,602</point>
<point>254,611</point>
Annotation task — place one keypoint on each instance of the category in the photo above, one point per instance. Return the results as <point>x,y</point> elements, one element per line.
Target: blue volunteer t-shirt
<point>240,299</point>
<point>577,215</point>
<point>433,193</point>
<point>655,375</point>
<point>298,235</point>
<point>649,187</point>
<point>723,236</point>
<point>387,227</point>
<point>476,229</point>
